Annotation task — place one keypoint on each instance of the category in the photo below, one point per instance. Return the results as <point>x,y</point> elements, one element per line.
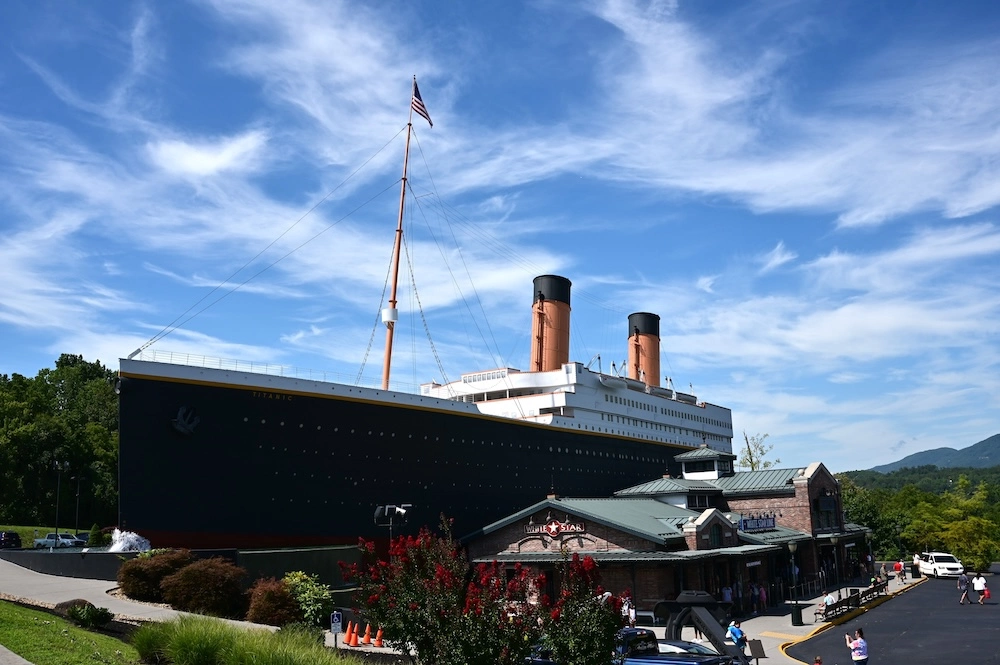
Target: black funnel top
<point>644,323</point>
<point>552,287</point>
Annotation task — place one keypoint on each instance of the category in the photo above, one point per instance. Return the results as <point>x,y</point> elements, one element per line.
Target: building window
<point>715,536</point>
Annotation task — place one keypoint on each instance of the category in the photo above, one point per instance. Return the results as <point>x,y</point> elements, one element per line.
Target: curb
<point>844,618</point>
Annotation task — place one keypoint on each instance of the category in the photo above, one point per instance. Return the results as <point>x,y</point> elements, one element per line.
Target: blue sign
<point>336,619</point>
<point>756,524</point>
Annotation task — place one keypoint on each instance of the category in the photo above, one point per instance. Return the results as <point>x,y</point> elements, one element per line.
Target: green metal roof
<point>703,453</point>
<point>629,557</point>
<point>644,517</point>
<point>661,486</point>
<point>773,481</point>
<point>779,536</point>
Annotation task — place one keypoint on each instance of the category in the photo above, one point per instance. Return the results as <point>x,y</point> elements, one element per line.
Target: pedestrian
<point>979,586</point>
<point>818,660</point>
<point>902,572</point>
<point>963,586</point>
<point>754,597</point>
<point>883,573</point>
<point>763,597</point>
<point>736,634</point>
<point>897,568</point>
<point>858,647</point>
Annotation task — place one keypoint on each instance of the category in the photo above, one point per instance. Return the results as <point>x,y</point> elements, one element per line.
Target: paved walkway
<point>774,629</point>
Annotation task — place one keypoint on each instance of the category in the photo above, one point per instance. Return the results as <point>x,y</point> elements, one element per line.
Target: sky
<point>806,193</point>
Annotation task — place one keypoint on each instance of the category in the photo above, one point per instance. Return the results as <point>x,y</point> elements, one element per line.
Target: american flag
<point>417,104</point>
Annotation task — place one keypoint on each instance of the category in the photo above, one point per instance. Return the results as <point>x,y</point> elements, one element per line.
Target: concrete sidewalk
<point>773,628</point>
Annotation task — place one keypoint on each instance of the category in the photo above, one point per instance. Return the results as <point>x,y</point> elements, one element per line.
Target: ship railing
<point>271,369</point>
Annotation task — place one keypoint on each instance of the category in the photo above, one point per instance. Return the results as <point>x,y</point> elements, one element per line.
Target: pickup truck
<point>638,646</point>
<point>57,540</point>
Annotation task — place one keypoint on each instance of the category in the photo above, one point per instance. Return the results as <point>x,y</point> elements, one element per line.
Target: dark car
<point>10,540</point>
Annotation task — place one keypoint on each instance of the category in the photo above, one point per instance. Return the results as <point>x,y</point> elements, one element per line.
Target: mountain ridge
<point>980,455</point>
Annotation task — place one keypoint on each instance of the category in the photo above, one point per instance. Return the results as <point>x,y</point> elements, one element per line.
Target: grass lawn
<point>45,639</point>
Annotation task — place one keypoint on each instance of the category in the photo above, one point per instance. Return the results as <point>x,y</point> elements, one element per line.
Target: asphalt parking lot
<point>924,625</point>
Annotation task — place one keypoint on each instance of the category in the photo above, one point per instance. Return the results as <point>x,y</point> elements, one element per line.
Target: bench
<point>866,596</point>
<point>827,612</point>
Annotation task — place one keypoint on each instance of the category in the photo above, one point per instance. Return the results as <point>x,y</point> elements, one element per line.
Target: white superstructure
<point>574,397</point>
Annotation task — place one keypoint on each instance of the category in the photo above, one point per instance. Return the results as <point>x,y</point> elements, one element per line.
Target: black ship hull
<point>206,463</point>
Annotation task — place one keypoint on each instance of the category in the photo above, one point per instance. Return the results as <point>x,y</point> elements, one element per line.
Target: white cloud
<point>206,158</point>
<point>777,257</point>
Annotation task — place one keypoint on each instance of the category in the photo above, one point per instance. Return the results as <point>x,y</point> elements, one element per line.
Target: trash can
<point>915,570</point>
<point>796,614</point>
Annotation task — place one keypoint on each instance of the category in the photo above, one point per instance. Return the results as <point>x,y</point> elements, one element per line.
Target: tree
<point>428,598</point>
<point>69,414</point>
<point>580,626</point>
<point>753,455</point>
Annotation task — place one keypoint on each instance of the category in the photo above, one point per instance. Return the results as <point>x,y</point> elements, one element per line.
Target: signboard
<point>756,523</point>
<point>553,528</point>
<point>336,620</point>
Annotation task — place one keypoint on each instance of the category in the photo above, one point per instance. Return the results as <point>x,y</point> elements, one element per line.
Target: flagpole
<point>391,314</point>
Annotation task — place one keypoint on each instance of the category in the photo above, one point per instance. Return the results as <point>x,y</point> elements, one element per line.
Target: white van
<point>940,564</point>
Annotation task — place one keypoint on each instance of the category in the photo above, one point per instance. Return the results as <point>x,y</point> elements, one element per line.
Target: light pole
<point>836,565</point>
<point>76,527</point>
<point>899,539</point>
<point>59,467</point>
<point>871,559</point>
<point>796,610</point>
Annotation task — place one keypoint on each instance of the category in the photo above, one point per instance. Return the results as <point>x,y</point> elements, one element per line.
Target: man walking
<point>963,586</point>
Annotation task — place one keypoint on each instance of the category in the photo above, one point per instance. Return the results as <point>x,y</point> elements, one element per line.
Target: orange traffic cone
<point>354,637</point>
<point>368,635</point>
<point>350,625</point>
<point>378,638</point>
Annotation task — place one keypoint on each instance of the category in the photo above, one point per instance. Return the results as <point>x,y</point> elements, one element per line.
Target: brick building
<point>712,529</point>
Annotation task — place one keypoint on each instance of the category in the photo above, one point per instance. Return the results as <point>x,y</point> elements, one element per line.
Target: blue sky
<point>806,193</point>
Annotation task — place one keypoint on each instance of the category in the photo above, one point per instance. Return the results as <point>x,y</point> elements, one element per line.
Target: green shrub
<point>89,616</point>
<point>314,598</point>
<point>95,539</point>
<point>272,603</point>
<point>197,641</point>
<point>204,641</point>
<point>306,631</point>
<point>140,578</point>
<point>208,586</point>
<point>151,640</point>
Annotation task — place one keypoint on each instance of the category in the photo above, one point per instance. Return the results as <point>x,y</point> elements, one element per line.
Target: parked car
<point>684,646</point>
<point>56,540</point>
<point>638,646</point>
<point>10,540</point>
<point>940,564</point>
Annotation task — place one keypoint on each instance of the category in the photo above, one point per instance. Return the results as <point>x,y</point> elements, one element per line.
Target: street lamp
<point>871,559</point>
<point>796,610</point>
<point>836,566</point>
<point>59,467</point>
<point>76,527</point>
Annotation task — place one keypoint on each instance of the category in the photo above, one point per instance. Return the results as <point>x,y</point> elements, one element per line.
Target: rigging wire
<point>174,325</point>
<point>423,317</point>
<point>497,361</point>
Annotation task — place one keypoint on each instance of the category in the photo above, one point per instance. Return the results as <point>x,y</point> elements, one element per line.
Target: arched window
<point>715,536</point>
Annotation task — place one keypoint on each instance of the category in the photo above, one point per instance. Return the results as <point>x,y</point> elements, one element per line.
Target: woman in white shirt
<point>979,586</point>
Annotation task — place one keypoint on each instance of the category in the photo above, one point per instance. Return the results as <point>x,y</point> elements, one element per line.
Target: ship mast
<point>390,314</point>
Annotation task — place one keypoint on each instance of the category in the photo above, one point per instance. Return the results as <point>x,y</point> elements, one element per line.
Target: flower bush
<point>428,598</point>
<point>581,623</point>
